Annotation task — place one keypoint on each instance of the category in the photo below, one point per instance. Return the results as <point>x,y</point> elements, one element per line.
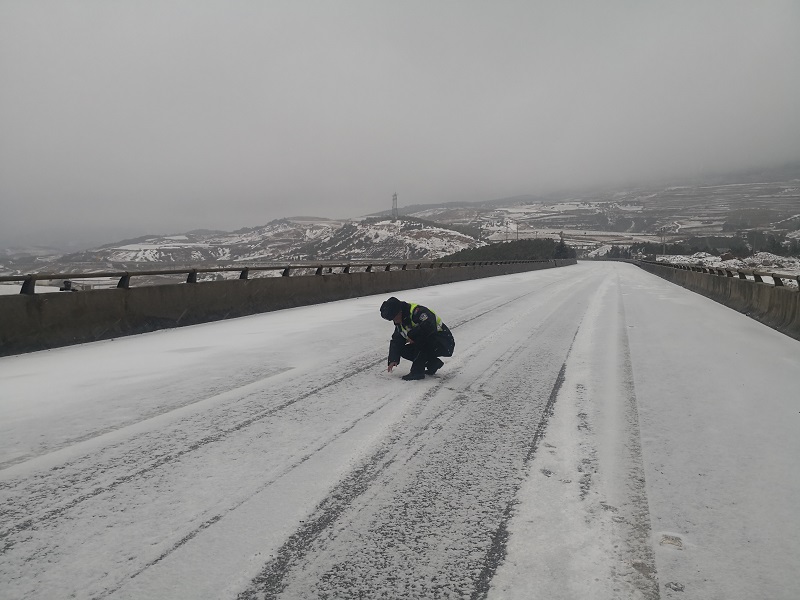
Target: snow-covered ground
<point>599,433</point>
<point>760,261</point>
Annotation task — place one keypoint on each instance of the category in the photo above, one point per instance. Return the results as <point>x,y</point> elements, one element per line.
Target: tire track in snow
<point>497,550</point>
<point>221,515</point>
<point>599,542</point>
<point>638,547</point>
<point>361,364</point>
<point>315,525</point>
<point>276,575</point>
<point>8,510</point>
<point>93,468</point>
<point>209,394</point>
<point>155,464</point>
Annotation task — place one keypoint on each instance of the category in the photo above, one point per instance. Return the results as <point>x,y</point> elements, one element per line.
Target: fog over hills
<point>124,119</point>
<point>749,209</point>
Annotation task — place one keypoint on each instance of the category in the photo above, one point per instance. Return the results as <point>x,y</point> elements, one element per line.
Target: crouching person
<point>419,336</point>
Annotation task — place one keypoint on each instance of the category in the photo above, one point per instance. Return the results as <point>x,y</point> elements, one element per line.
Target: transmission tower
<point>394,207</point>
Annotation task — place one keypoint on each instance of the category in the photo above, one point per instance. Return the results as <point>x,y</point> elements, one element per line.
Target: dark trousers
<point>425,354</point>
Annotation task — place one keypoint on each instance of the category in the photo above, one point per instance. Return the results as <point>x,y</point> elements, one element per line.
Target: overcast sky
<point>122,118</point>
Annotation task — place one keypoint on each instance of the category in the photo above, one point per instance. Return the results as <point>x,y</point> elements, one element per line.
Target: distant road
<point>598,433</point>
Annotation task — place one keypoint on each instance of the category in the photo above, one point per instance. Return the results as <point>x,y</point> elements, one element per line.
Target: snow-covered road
<point>598,433</point>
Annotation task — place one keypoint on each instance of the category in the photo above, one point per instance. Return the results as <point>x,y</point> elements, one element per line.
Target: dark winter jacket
<point>425,329</point>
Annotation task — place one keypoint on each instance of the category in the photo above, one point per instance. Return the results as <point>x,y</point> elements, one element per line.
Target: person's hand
<point>392,365</point>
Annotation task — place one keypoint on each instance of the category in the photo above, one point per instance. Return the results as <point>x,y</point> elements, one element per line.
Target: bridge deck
<point>599,433</point>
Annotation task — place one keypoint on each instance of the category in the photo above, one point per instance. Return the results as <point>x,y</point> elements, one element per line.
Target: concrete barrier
<point>775,305</point>
<point>30,322</point>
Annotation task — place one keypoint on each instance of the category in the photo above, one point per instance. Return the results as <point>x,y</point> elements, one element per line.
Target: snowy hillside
<point>391,239</point>
<point>763,261</point>
<point>287,239</point>
<point>590,222</point>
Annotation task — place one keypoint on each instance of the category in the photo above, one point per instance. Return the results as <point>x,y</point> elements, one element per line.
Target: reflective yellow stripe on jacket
<point>404,330</point>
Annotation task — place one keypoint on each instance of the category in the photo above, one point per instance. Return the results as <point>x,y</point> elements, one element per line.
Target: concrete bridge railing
<point>32,321</point>
<point>762,295</point>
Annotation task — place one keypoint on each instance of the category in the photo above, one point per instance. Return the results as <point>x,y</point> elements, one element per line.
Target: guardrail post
<point>741,275</point>
<point>369,269</point>
<point>124,281</point>
<point>346,269</point>
<point>318,271</point>
<point>388,267</point>
<point>192,278</point>
<point>245,274</point>
<point>757,278</point>
<point>776,279</point>
<point>286,272</point>
<point>29,285</point>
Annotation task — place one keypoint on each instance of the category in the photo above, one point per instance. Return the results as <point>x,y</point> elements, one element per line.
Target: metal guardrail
<point>29,280</point>
<point>756,275</point>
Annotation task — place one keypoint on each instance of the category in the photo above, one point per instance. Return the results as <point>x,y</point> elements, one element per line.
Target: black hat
<point>390,308</point>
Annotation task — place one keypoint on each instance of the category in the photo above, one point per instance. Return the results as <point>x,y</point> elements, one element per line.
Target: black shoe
<point>434,366</point>
<point>413,376</point>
